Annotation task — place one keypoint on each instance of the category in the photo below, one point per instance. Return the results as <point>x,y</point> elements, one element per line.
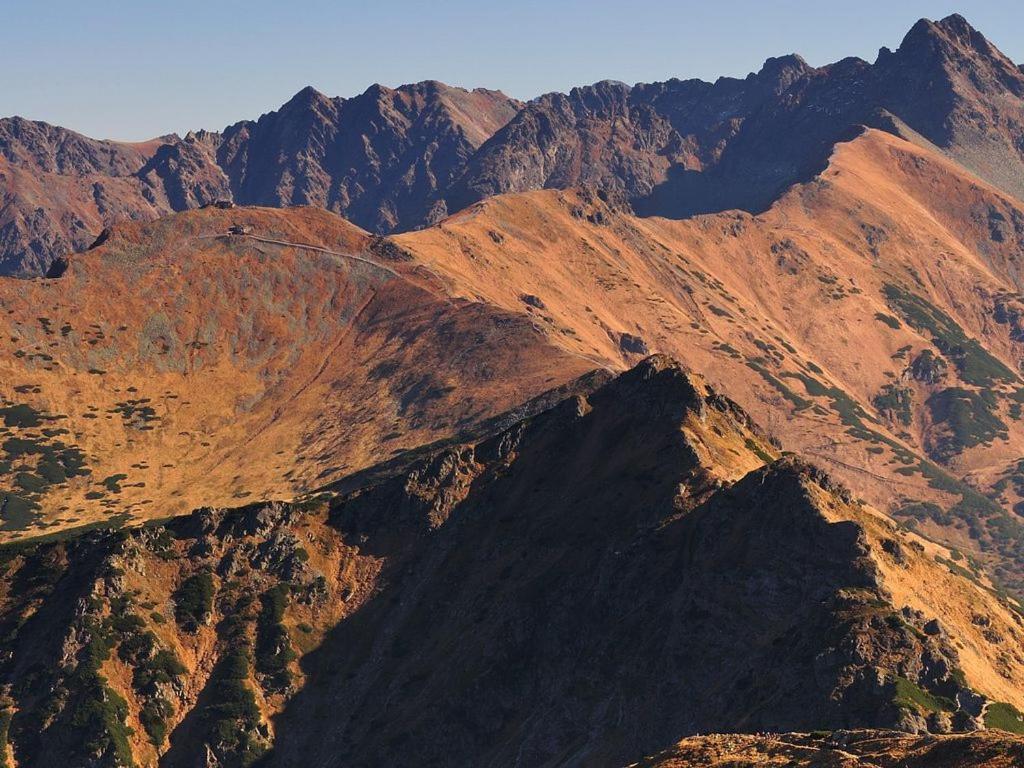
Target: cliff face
<point>381,159</point>
<point>586,586</point>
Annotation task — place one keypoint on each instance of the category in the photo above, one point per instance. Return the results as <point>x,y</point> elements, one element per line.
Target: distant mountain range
<point>398,159</point>
<point>670,425</point>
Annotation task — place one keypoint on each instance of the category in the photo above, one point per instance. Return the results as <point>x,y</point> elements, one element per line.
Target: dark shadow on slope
<point>567,612</point>
<point>750,177</point>
<point>50,587</point>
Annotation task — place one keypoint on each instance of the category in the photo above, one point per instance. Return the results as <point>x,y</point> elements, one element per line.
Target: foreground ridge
<point>880,749</point>
<point>590,584</point>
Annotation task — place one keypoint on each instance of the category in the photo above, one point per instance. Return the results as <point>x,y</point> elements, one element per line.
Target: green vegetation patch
<point>924,510</point>
<point>896,403</point>
<point>30,463</point>
<point>21,415</point>
<point>975,364</point>
<point>274,651</point>
<point>959,570</point>
<point>754,448</point>
<point>136,414</point>
<point>5,728</point>
<point>113,483</point>
<point>889,320</point>
<point>231,718</point>
<point>17,512</point>
<point>970,417</point>
<point>153,668</point>
<point>799,403</point>
<point>911,696</point>
<point>849,410</point>
<point>29,482</point>
<point>194,601</point>
<point>96,726</point>
<point>1005,717</point>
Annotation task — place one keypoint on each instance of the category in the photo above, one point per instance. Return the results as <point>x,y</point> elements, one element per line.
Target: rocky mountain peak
<point>659,377</point>
<point>308,101</point>
<point>789,67</point>
<point>305,97</point>
<point>606,97</point>
<point>955,42</point>
<point>376,91</point>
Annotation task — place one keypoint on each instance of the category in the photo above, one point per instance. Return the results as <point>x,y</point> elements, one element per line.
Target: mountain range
<point>399,159</point>
<point>432,427</point>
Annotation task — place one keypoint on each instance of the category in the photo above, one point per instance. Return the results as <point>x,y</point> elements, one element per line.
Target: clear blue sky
<point>132,70</point>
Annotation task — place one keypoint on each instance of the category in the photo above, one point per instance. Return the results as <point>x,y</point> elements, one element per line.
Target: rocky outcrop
<point>185,173</point>
<point>848,748</point>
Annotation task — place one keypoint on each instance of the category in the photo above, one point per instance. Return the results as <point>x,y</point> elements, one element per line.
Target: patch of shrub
<point>895,402</point>
<point>194,601</point>
<point>973,362</point>
<point>970,418</point>
<point>911,696</point>
<point>232,716</point>
<point>153,715</point>
<point>799,403</point>
<point>96,725</point>
<point>5,727</point>
<point>1005,717</point>
<point>273,646</point>
<point>889,320</point>
<point>151,666</point>
<point>113,483</point>
<point>21,415</point>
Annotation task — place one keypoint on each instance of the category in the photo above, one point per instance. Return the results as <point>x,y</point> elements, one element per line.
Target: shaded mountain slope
<point>870,317</point>
<point>174,366</point>
<point>587,586</point>
<point>594,545</point>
